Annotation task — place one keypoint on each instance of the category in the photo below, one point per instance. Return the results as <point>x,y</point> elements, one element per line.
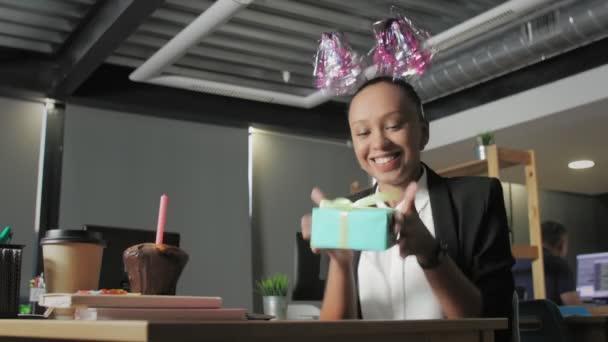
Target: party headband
<point>399,52</point>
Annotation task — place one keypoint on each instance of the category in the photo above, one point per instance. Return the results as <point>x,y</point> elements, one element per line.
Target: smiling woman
<point>452,258</point>
<point>388,131</point>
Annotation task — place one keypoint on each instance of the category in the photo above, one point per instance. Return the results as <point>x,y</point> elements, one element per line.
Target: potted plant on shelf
<point>483,141</point>
<point>274,292</point>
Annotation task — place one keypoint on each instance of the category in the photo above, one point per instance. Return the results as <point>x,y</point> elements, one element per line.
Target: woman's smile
<point>387,162</point>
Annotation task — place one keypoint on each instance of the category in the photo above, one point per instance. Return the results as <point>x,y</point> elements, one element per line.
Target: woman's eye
<point>362,133</point>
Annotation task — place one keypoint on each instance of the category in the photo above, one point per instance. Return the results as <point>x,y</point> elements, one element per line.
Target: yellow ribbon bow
<point>365,202</point>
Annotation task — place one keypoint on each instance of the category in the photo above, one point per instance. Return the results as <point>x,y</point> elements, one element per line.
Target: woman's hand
<point>412,235</point>
<point>342,257</point>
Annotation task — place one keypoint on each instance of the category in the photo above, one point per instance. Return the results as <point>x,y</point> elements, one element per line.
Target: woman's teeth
<point>384,160</point>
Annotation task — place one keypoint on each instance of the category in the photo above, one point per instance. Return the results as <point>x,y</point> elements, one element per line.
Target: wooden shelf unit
<point>501,158</point>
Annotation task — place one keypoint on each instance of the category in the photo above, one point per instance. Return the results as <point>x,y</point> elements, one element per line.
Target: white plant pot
<point>276,306</point>
<point>481,152</point>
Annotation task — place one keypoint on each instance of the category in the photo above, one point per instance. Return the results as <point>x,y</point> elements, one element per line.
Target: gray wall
<point>285,169</point>
<point>116,166</point>
<point>582,215</point>
<point>20,132</point>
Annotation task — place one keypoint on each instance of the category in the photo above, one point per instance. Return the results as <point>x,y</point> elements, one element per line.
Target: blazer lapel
<point>443,213</point>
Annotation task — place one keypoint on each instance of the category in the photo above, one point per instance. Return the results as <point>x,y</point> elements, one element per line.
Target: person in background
<point>453,257</point>
<point>559,278</point>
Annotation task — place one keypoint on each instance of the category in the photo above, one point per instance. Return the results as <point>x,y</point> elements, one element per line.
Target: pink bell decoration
<point>336,67</point>
<point>400,50</point>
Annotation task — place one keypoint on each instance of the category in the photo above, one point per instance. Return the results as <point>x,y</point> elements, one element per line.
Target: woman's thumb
<point>407,203</point>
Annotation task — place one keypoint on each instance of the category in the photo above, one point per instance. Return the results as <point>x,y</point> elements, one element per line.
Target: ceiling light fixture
<point>49,104</point>
<point>581,164</point>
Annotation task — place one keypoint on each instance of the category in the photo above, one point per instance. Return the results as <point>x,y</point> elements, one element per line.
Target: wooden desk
<point>481,330</point>
<point>587,328</point>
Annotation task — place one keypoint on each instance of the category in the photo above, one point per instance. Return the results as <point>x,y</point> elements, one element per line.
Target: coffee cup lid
<point>54,236</point>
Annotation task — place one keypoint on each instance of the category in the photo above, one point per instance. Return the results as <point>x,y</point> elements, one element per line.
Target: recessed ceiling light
<point>581,164</point>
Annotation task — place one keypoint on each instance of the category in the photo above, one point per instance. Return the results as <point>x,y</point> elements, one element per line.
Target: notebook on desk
<point>152,314</point>
<point>67,300</point>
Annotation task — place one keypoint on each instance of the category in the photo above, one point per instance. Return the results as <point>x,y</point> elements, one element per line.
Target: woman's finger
<point>306,223</point>
<point>406,206</point>
<point>317,195</point>
<point>403,248</point>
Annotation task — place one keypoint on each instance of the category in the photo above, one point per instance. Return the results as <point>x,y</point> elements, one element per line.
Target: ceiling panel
<point>204,51</point>
<point>55,8</point>
<point>271,36</point>
<point>40,26</point>
<point>212,75</point>
<point>222,66</point>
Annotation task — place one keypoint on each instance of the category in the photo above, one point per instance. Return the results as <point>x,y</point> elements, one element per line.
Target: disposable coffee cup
<point>72,261</point>
<point>10,279</point>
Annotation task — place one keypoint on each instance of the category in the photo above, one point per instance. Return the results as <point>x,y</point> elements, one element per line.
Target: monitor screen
<point>112,274</point>
<point>592,275</point>
<point>310,272</point>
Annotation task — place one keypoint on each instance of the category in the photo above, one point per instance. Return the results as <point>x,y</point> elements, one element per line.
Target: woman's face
<point>387,134</point>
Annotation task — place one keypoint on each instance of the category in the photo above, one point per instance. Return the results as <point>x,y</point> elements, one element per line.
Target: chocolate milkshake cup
<point>154,269</point>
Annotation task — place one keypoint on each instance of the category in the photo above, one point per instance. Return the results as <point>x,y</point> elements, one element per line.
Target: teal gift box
<point>363,229</point>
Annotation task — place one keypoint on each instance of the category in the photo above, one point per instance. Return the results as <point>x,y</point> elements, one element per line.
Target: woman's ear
<point>424,134</point>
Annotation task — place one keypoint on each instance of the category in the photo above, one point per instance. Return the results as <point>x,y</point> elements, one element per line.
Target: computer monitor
<point>310,272</point>
<point>113,275</point>
<point>592,275</point>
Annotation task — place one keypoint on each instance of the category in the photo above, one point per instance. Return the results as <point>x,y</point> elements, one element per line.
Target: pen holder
<point>10,279</point>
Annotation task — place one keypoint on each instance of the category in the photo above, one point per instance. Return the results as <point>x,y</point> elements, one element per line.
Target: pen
<point>5,235</point>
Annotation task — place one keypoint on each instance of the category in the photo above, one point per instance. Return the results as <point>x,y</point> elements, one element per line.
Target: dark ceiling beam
<point>110,23</point>
<point>24,74</point>
<point>110,88</point>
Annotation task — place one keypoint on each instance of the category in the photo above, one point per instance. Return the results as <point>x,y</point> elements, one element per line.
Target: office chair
<point>552,327</point>
<point>515,335</point>
<point>522,274</point>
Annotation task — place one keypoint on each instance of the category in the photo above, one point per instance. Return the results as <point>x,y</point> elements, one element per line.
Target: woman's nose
<point>379,141</point>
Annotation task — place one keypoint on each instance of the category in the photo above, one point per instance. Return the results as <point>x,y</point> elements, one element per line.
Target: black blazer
<point>470,217</point>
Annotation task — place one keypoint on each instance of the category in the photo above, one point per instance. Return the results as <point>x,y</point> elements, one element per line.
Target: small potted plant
<point>483,141</point>
<point>274,292</point>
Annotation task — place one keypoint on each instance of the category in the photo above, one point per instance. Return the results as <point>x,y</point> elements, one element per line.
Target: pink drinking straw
<point>162,216</point>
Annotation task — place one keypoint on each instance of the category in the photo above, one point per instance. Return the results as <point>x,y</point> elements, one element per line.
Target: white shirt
<point>391,287</point>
